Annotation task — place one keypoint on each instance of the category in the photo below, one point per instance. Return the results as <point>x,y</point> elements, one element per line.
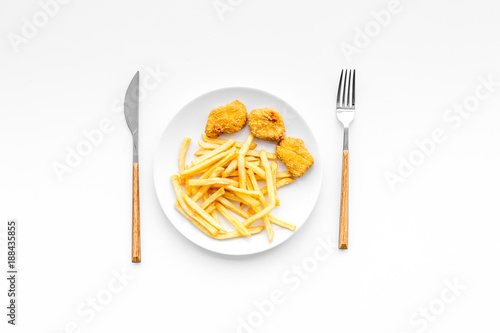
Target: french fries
<point>222,141</point>
<point>202,213</point>
<point>183,152</point>
<point>208,201</point>
<point>201,152</point>
<point>242,198</point>
<point>212,182</point>
<point>201,191</point>
<point>192,216</point>
<point>203,165</point>
<point>284,174</point>
<point>241,161</point>
<point>255,153</point>
<point>275,220</point>
<point>270,191</point>
<point>233,220</point>
<point>233,234</point>
<point>229,205</point>
<point>255,185</point>
<point>267,224</point>
<point>230,168</point>
<point>238,190</point>
<point>208,145</point>
<point>257,170</point>
<point>269,177</point>
<point>210,209</point>
<point>274,171</point>
<point>214,152</point>
<point>223,178</point>
<point>279,183</point>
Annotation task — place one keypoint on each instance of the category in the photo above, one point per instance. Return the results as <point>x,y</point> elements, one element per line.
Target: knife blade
<point>131,109</point>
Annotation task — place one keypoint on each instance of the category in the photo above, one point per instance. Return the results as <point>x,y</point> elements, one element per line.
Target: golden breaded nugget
<point>229,118</point>
<point>294,154</point>
<point>267,124</point>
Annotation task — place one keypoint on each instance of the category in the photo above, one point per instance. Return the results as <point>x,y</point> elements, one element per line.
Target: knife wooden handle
<point>136,226</point>
<point>344,202</point>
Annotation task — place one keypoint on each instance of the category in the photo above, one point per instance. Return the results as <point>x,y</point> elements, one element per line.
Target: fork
<point>345,114</point>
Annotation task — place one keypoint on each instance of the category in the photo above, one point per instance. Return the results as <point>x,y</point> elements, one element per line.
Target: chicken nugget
<point>229,118</point>
<point>294,154</point>
<point>267,124</point>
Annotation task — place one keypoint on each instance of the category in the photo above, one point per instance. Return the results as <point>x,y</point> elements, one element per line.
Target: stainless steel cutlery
<point>132,116</point>
<point>346,103</point>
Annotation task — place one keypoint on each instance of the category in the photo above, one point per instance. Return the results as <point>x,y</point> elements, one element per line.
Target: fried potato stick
<point>255,185</point>
<point>230,168</point>
<point>269,178</point>
<point>234,234</point>
<point>244,199</point>
<point>237,190</point>
<point>206,163</point>
<point>191,219</point>
<point>209,200</point>
<point>233,220</point>
<point>274,171</point>
<point>181,199</point>
<point>257,170</point>
<point>212,182</point>
<point>208,173</point>
<point>241,161</point>
<point>202,213</point>
<point>182,153</point>
<point>284,174</point>
<point>214,152</point>
<point>270,190</point>
<point>201,152</point>
<point>267,224</point>
<point>210,209</point>
<point>256,153</point>
<point>259,215</point>
<point>279,183</point>
<point>275,220</point>
<point>229,205</point>
<point>207,145</point>
<point>216,218</point>
<point>237,144</point>
<point>203,189</point>
<point>252,159</point>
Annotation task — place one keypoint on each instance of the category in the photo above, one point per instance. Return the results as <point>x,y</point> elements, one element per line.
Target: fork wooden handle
<point>344,202</point>
<point>136,226</point>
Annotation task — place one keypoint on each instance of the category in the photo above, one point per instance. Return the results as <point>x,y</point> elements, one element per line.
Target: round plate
<point>297,199</point>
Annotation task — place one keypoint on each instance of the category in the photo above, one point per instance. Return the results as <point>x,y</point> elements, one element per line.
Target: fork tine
<point>349,90</point>
<point>353,87</point>
<point>343,94</point>
<point>340,86</point>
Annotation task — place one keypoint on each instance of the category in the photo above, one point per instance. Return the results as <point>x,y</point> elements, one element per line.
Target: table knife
<point>132,116</point>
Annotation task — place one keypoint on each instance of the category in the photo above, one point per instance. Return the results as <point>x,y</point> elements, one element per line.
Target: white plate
<point>297,199</point>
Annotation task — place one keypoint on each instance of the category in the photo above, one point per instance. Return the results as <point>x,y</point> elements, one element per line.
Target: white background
<point>441,223</point>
